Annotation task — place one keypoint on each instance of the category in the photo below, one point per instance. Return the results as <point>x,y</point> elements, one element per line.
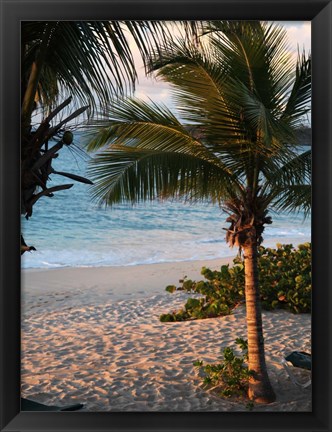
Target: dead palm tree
<point>240,98</point>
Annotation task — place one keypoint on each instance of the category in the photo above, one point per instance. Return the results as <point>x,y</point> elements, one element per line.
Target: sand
<point>93,335</point>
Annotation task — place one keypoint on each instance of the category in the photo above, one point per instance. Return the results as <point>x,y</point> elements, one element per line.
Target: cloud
<point>299,35</point>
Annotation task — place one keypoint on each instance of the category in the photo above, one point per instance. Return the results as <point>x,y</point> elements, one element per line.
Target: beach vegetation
<point>284,279</point>
<point>228,378</point>
<point>240,97</point>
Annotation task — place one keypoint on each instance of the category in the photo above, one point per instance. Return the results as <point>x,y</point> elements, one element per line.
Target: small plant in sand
<point>285,282</point>
<point>230,377</point>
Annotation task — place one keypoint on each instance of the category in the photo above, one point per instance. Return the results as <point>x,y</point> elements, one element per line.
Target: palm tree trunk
<point>260,389</point>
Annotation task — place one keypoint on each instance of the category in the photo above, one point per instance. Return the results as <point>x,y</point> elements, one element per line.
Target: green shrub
<point>285,277</point>
<point>284,280</point>
<point>230,377</point>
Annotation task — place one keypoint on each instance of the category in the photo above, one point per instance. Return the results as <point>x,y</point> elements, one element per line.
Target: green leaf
<point>170,288</point>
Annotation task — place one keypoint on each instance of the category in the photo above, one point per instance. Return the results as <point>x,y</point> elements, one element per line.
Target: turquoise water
<point>70,230</point>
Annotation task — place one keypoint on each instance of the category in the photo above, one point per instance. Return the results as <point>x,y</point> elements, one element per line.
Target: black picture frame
<point>319,12</point>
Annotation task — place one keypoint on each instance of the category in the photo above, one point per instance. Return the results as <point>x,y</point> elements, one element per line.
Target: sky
<point>299,38</point>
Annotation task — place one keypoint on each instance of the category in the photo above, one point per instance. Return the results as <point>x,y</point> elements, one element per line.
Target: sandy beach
<point>93,335</point>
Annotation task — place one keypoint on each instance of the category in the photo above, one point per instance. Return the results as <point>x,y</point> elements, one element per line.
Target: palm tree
<point>91,60</point>
<point>240,98</point>
<point>70,62</point>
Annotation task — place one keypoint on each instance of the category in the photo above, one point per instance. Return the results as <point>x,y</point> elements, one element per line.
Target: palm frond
<point>198,86</point>
<point>289,185</point>
<point>294,198</point>
<point>255,53</point>
<point>135,174</point>
<point>139,124</point>
<point>298,103</point>
<point>91,60</point>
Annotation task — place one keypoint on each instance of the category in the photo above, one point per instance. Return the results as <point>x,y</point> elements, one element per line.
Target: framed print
<point>170,198</point>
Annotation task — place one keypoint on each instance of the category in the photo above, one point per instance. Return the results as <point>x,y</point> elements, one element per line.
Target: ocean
<point>69,230</point>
